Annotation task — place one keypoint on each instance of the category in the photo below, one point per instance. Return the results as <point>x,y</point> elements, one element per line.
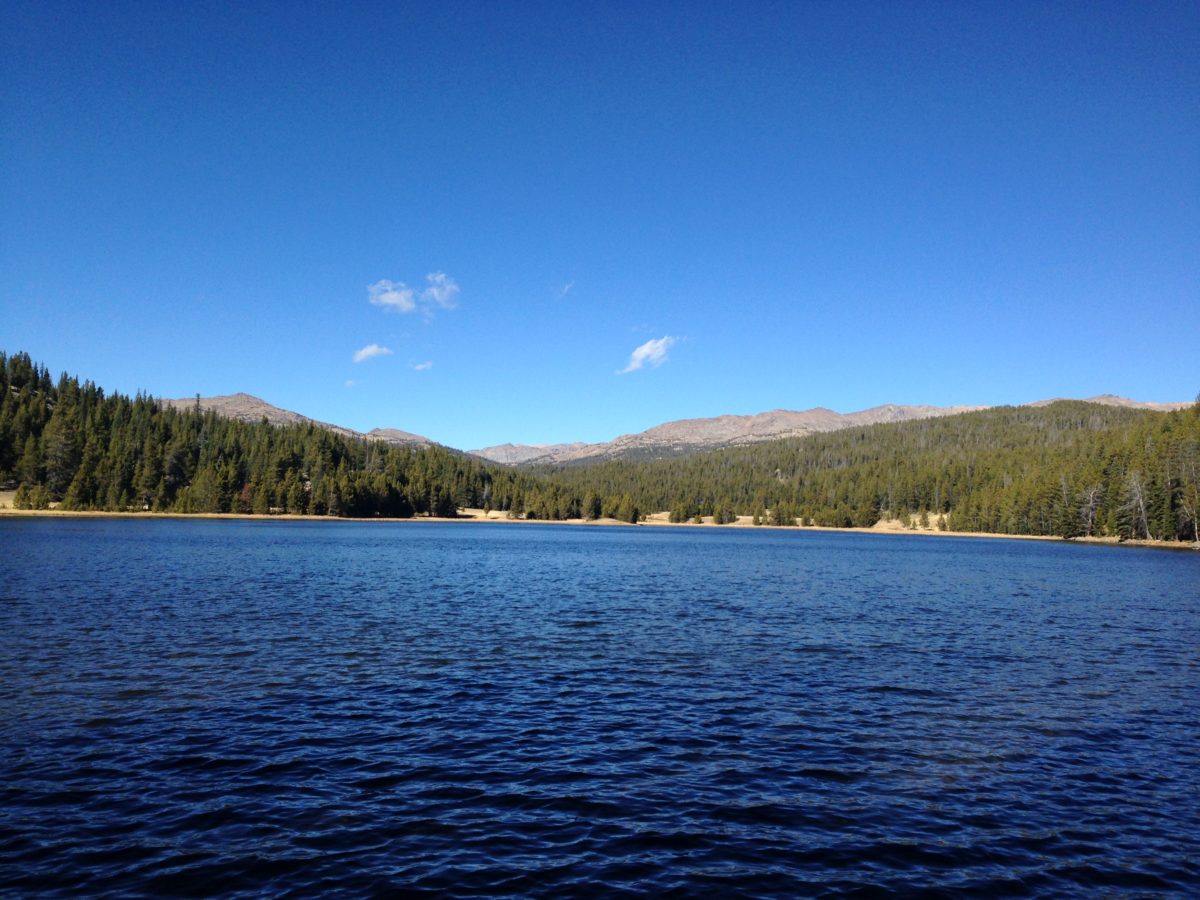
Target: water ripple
<point>196,708</point>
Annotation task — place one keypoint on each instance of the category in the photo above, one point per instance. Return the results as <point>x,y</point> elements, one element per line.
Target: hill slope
<point>248,408</point>
<point>1066,468</point>
<point>687,436</point>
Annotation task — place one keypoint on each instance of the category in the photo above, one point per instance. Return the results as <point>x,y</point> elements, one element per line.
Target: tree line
<point>67,442</point>
<point>1069,469</point>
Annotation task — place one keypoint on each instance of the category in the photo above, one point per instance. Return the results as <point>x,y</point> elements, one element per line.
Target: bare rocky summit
<point>248,408</point>
<point>1114,400</point>
<point>515,454</point>
<point>398,437</point>
<point>692,435</point>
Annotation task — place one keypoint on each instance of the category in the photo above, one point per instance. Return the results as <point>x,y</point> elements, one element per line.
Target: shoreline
<point>655,520</point>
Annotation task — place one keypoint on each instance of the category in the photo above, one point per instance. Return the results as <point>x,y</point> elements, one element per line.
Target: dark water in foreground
<point>216,707</point>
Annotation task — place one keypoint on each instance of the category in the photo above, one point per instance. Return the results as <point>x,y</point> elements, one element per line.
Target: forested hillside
<point>1070,469</point>
<point>69,442</point>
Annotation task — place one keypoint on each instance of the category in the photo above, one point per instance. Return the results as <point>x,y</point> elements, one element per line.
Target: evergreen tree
<point>61,448</point>
<point>29,467</point>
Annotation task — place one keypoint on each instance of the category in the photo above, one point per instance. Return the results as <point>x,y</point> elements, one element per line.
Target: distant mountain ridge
<point>686,436</point>
<point>677,438</point>
<point>1114,400</point>
<point>248,408</point>
<point>515,454</point>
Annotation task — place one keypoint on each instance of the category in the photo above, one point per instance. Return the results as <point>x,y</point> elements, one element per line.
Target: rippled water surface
<point>206,707</point>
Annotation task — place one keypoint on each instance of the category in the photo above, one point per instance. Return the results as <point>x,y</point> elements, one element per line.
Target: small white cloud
<point>370,352</point>
<point>392,295</point>
<point>443,290</point>
<point>566,289</point>
<point>350,382</point>
<point>421,367</point>
<point>653,353</point>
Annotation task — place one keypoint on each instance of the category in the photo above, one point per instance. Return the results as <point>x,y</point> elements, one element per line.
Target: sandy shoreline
<point>660,519</point>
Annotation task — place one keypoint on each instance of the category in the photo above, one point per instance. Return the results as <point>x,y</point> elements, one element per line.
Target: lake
<point>244,707</point>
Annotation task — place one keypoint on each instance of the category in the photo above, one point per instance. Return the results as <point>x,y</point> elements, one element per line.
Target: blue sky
<point>493,206</point>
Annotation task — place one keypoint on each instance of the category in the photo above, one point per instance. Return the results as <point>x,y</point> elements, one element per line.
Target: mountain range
<point>686,436</point>
<point>678,438</point>
<point>248,408</point>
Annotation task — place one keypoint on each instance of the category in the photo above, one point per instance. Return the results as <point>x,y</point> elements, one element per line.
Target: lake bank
<point>655,520</point>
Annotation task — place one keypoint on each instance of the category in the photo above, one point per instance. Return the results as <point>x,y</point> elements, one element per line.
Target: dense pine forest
<point>1070,469</point>
<point>68,442</point>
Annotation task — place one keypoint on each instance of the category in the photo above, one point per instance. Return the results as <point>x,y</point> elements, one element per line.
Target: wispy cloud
<point>651,353</point>
<point>392,295</point>
<point>421,367</point>
<point>441,292</point>
<point>370,352</point>
<point>350,382</point>
<point>566,289</point>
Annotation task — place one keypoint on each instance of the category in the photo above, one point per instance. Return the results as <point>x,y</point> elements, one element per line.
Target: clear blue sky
<point>814,204</point>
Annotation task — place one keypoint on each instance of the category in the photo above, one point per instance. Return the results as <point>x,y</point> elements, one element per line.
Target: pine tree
<point>61,449</point>
<point>29,467</point>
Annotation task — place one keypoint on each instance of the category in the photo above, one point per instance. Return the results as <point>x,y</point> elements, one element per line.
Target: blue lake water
<point>201,707</point>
